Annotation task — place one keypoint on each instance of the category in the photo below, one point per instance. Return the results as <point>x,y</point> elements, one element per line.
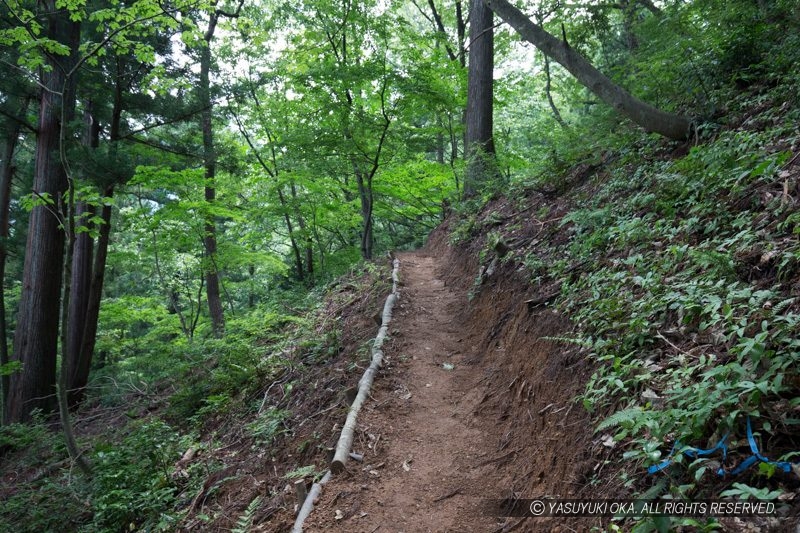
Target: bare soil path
<point>428,456</point>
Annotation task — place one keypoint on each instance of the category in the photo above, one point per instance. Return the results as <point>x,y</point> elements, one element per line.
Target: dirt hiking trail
<point>428,457</point>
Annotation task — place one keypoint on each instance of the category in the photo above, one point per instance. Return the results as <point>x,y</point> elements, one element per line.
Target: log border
<point>342,452</point>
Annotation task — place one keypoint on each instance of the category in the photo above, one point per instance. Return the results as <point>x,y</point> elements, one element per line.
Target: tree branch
<point>437,23</point>
<point>161,123</point>
<point>19,120</point>
<point>670,125</point>
<point>549,94</point>
<point>119,30</point>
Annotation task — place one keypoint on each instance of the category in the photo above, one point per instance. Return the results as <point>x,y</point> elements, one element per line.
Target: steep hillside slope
<point>611,319</point>
<point>663,278</point>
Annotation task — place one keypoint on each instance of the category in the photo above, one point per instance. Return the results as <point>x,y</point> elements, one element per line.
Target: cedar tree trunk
<point>36,336</point>
<point>478,139</point>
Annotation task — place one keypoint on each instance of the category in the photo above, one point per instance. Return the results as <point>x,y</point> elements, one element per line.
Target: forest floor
<point>427,454</point>
<point>433,453</point>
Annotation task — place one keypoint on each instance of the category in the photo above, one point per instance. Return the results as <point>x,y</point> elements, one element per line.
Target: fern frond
<point>582,342</point>
<point>246,520</point>
<point>619,418</point>
<point>655,491</point>
<point>783,304</point>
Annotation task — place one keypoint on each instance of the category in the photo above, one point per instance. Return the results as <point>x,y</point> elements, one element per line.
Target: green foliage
<point>367,93</point>
<point>685,314</point>
<point>51,504</point>
<point>675,267</point>
<point>745,492</point>
<point>34,439</point>
<point>132,482</point>
<point>245,521</point>
<point>626,417</point>
<point>267,426</point>
<point>10,367</point>
<point>302,472</point>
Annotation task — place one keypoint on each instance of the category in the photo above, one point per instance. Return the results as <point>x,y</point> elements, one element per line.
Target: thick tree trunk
<point>210,162</point>
<point>478,140</point>
<point>81,251</point>
<point>6,175</point>
<point>36,336</point>
<point>80,376</point>
<point>650,118</point>
<point>79,287</point>
<point>212,274</point>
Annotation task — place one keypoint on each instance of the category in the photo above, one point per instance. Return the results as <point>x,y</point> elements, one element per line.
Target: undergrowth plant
<point>678,273</point>
<point>687,246</point>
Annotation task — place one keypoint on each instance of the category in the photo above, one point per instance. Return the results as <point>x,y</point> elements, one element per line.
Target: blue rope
<point>690,452</point>
<point>756,457</point>
<point>744,465</point>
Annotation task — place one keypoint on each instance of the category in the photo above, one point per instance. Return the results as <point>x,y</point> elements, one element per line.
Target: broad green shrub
<point>132,485</point>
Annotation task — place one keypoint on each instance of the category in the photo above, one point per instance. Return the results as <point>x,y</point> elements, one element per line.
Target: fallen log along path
<point>427,457</point>
<point>342,451</point>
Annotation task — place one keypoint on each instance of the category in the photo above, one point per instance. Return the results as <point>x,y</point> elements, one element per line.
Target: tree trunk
<point>628,8</point>
<point>80,377</point>
<point>461,31</point>
<point>79,287</point>
<point>36,336</point>
<point>547,86</point>
<point>298,260</point>
<point>301,222</point>
<point>650,118</point>
<point>212,273</point>
<point>210,162</point>
<point>6,176</point>
<point>650,7</point>
<point>81,251</point>
<point>478,140</point>
<point>251,296</point>
<point>365,195</point>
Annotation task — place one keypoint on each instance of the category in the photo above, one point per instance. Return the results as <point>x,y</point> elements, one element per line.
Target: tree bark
<point>628,22</point>
<point>650,7</point>
<point>301,223</point>
<point>79,287</point>
<point>365,383</point>
<point>365,194</point>
<point>461,33</point>
<point>80,252</point>
<point>650,118</point>
<point>298,259</point>
<point>80,377</point>
<point>36,336</point>
<point>6,176</point>
<point>547,86</point>
<point>478,140</point>
<point>210,162</point>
